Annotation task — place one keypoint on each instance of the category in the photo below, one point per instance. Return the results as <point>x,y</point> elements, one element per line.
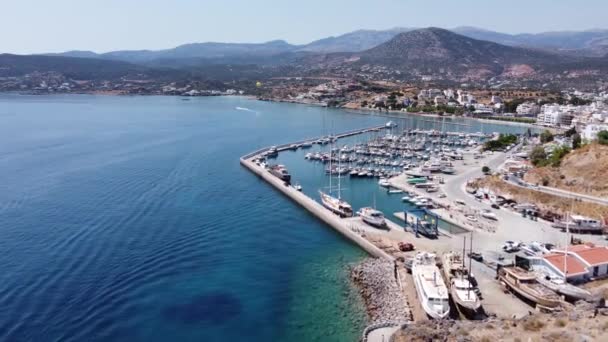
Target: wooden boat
<point>526,285</point>
<point>464,294</point>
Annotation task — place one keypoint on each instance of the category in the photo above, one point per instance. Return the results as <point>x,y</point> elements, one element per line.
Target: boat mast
<point>567,242</point>
<point>339,170</point>
<point>470,271</point>
<point>464,246</point>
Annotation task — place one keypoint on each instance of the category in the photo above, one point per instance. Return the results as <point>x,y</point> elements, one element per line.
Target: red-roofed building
<point>583,263</point>
<point>576,270</point>
<point>595,259</point>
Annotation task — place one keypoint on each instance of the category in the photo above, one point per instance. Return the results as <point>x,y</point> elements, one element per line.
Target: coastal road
<point>556,192</point>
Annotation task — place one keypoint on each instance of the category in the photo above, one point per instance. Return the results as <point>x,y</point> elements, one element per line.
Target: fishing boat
<point>526,285</point>
<point>432,292</point>
<point>372,216</point>
<point>463,292</point>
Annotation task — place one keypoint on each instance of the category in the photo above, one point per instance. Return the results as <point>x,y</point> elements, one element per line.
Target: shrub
<point>533,324</point>
<point>560,322</point>
<point>602,137</point>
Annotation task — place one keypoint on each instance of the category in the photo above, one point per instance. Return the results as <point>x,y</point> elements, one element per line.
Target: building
<point>581,263</point>
<point>440,100</point>
<point>528,108</point>
<point>496,99</point>
<point>591,130</point>
<point>555,115</point>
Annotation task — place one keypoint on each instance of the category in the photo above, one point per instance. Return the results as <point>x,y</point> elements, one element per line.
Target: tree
<point>602,137</point>
<point>546,137</point>
<point>576,141</point>
<point>570,132</point>
<point>538,156</point>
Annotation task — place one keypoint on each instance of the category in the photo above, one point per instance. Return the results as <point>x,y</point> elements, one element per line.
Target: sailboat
<point>335,204</point>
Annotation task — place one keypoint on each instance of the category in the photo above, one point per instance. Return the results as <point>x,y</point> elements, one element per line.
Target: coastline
<point>398,114</point>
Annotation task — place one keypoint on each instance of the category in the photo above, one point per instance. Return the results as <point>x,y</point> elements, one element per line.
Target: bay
<point>130,219</point>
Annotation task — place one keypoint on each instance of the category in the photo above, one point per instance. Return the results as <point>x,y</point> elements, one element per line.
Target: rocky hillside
<point>436,50</point>
<point>581,171</point>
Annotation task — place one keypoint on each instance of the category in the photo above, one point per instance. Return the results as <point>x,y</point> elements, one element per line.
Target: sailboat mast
<point>567,242</point>
<point>464,246</point>
<point>339,176</point>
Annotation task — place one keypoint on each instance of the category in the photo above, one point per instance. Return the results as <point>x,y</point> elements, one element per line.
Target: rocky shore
<point>384,300</point>
<point>579,323</point>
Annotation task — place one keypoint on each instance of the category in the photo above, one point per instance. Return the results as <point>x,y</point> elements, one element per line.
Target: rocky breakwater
<point>384,300</point>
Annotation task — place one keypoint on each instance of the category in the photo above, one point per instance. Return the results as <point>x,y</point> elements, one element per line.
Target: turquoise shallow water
<point>130,219</point>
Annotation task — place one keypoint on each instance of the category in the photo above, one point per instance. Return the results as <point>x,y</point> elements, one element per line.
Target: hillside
<point>580,171</point>
<point>72,67</point>
<point>442,53</point>
<point>354,41</point>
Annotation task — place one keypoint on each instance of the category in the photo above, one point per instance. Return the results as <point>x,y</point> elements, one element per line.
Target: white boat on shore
<point>372,216</point>
<point>432,292</point>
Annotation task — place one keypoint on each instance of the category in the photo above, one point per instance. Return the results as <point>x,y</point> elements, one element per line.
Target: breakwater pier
<point>343,226</point>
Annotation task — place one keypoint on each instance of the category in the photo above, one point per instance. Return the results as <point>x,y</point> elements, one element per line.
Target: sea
<point>130,219</point>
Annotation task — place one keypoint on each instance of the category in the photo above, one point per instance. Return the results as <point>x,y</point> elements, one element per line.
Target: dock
<point>343,226</point>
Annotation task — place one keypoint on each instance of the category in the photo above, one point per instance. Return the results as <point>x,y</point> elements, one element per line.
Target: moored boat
<point>280,171</point>
<point>336,205</point>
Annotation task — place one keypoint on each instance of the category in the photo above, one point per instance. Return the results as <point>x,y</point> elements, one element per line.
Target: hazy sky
<point>33,26</point>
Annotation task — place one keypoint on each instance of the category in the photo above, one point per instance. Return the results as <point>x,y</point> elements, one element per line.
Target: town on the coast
<point>479,190</point>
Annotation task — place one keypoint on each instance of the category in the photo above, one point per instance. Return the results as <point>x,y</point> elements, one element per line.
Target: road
<point>556,192</point>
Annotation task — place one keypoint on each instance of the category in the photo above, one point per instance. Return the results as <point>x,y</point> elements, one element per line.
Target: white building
<point>555,115</point>
<point>590,131</point>
<point>528,108</point>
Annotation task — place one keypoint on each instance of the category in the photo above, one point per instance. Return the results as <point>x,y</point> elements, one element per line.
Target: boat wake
<point>246,109</point>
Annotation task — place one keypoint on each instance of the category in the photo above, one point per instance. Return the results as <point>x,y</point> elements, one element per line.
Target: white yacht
<point>432,292</point>
<point>384,183</point>
<point>372,216</point>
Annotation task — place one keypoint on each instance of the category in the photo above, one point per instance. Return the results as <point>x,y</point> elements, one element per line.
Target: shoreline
<point>395,113</point>
<point>359,111</point>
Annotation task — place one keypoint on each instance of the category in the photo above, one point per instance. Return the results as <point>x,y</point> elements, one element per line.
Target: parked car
<point>475,256</point>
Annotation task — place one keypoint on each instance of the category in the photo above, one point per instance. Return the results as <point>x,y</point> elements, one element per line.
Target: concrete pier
<point>342,226</point>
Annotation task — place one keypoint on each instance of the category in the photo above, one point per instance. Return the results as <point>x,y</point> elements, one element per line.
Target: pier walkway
<point>341,225</point>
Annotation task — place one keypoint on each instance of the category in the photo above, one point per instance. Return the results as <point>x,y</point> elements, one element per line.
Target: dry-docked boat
<point>560,286</point>
<point>463,293</point>
<point>432,292</point>
<point>372,216</point>
<point>525,284</point>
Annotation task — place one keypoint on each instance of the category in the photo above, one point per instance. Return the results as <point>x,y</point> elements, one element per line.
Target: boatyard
<point>447,248</point>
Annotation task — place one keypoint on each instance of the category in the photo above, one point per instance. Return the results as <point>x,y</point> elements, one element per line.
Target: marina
<point>412,172</point>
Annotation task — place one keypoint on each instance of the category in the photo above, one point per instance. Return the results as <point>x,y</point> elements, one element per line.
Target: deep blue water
<point>130,219</point>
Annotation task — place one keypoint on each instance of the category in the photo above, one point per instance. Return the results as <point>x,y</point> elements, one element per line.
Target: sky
<point>37,26</point>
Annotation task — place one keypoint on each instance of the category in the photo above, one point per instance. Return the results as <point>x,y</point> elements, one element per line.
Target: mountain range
<point>584,43</point>
<point>400,54</point>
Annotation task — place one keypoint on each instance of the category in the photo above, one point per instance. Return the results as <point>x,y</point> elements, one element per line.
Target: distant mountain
<point>583,43</point>
<point>354,41</point>
<point>591,42</point>
<point>435,47</point>
<point>79,68</point>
